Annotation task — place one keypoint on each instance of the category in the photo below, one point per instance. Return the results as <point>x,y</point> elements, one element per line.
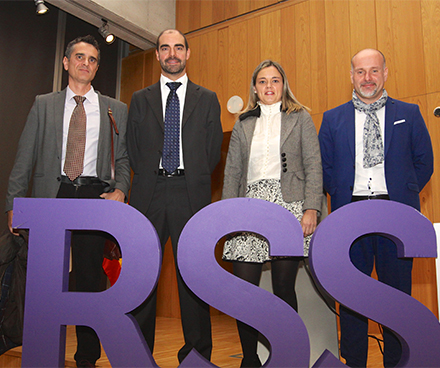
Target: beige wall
<point>314,41</point>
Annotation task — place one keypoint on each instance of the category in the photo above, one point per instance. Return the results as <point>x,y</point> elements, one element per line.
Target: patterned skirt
<point>251,247</point>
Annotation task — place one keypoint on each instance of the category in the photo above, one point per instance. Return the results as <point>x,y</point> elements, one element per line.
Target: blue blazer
<point>408,152</point>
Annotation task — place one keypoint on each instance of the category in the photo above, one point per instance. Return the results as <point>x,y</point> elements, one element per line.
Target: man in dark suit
<point>49,142</point>
<point>170,185</point>
<point>374,147</point>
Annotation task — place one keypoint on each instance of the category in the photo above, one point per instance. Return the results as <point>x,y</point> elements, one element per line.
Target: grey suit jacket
<point>202,137</point>
<point>40,148</point>
<point>301,175</point>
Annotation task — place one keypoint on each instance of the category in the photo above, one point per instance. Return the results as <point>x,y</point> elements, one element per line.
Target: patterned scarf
<point>373,143</point>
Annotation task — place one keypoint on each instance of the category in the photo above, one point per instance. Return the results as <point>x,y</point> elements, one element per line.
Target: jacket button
<point>284,165</point>
<point>284,170</point>
<point>59,178</point>
<point>284,159</point>
<point>283,155</point>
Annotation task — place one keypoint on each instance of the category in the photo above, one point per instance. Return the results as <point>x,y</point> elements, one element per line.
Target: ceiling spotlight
<point>41,8</point>
<point>105,33</point>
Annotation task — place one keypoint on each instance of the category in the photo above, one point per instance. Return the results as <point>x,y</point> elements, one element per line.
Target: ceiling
<point>137,22</point>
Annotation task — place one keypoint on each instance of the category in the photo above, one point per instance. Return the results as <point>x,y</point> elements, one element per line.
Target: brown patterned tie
<point>76,141</point>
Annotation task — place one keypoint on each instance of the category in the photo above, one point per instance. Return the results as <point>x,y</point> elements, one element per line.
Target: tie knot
<point>79,99</point>
<point>173,85</point>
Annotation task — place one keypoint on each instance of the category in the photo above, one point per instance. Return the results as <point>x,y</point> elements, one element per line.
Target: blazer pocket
<point>414,187</point>
<point>300,174</point>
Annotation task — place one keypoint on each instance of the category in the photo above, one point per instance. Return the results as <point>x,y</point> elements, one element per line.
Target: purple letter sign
<point>417,328</point>
<point>50,307</point>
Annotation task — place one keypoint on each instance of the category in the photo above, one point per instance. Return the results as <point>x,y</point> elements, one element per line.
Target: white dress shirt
<point>264,158</point>
<point>370,181</point>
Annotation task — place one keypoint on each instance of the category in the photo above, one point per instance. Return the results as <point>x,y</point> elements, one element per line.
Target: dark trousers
<point>87,257</point>
<point>364,253</point>
<point>169,211</point>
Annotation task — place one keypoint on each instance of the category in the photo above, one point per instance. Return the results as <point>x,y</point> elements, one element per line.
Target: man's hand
<point>13,231</point>
<point>309,222</point>
<point>116,195</point>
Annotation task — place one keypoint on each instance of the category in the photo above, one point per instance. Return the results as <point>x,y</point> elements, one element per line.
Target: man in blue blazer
<point>374,147</point>
<point>168,197</point>
<point>41,155</point>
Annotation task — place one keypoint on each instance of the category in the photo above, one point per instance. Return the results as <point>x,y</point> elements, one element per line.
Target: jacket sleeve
<point>214,134</point>
<point>311,158</point>
<point>25,158</point>
<point>423,158</point>
<point>326,145</point>
<point>234,164</point>
<point>122,165</point>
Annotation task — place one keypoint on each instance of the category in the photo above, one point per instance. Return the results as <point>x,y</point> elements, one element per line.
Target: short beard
<point>176,69</point>
<point>367,95</point>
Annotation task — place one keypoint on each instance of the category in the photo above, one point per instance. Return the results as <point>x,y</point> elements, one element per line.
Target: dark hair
<point>171,30</point>
<point>86,39</point>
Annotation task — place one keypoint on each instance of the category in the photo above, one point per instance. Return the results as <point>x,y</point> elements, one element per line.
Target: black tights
<point>284,273</point>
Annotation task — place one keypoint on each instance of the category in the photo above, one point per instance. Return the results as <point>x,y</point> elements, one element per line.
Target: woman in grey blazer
<point>273,155</point>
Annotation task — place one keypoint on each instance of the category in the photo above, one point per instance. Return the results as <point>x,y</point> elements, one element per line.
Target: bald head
<point>367,52</point>
<point>368,74</point>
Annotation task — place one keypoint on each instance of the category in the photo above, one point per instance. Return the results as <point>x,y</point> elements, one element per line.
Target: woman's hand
<point>309,222</point>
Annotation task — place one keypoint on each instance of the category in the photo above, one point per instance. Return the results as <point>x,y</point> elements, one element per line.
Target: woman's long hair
<point>288,101</point>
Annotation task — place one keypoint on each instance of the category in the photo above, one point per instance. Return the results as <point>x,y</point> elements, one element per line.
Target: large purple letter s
<point>418,329</point>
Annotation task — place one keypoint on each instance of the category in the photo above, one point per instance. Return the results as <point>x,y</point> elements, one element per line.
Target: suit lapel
<point>287,124</point>
<point>153,96</point>
<point>191,100</point>
<point>390,114</point>
<point>58,106</point>
<point>350,128</point>
<point>104,132</point>
<point>248,130</point>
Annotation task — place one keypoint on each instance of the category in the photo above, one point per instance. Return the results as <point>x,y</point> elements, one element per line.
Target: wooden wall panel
<point>253,49</point>
<point>302,57</point>
<point>362,26</point>
<point>318,55</point>
<point>132,75</point>
<point>289,58</point>
<point>196,14</point>
<point>400,39</point>
<point>222,89</point>
<point>270,36</point>
<point>338,51</point>
<point>434,129</point>
<point>430,10</point>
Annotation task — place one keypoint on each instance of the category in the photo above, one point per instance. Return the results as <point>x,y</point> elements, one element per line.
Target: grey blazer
<point>40,148</point>
<point>301,170</point>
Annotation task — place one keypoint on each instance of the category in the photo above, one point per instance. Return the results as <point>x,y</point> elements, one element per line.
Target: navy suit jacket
<point>408,153</point>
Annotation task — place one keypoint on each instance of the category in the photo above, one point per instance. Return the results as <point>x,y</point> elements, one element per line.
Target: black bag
<point>13,260</point>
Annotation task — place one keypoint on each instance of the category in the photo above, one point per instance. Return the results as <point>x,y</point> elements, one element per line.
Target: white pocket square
<point>399,121</point>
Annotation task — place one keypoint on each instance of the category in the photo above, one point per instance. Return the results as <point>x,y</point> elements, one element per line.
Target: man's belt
<point>83,180</point>
<point>364,198</point>
<point>177,172</point>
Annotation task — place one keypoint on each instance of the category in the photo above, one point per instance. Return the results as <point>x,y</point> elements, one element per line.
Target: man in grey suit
<point>42,155</point>
<point>169,195</point>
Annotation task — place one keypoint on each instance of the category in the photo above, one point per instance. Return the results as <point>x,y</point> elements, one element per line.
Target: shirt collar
<point>91,96</point>
<point>164,80</point>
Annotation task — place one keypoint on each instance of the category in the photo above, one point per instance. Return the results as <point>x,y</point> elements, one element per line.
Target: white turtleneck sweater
<point>264,159</point>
